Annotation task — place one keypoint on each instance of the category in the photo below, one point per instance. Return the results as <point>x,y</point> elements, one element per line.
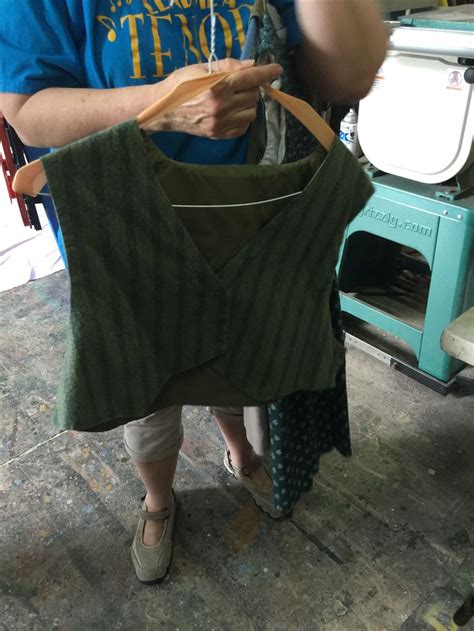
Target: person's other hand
<point>226,110</point>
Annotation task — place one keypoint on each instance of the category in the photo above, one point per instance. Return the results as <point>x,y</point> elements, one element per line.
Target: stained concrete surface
<point>383,542</point>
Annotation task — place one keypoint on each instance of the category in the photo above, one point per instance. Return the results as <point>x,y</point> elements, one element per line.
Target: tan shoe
<point>263,499</point>
<point>152,563</point>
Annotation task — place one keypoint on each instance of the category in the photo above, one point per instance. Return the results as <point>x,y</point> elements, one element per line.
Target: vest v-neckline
<point>236,171</point>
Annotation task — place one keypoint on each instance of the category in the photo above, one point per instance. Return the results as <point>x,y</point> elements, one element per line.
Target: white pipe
<point>432,41</point>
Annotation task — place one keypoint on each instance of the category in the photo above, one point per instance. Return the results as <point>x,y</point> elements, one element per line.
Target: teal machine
<point>413,244</point>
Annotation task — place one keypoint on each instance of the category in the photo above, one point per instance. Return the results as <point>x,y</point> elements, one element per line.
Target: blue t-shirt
<point>118,43</point>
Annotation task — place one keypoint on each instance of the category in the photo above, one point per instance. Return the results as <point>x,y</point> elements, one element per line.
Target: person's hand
<point>226,110</point>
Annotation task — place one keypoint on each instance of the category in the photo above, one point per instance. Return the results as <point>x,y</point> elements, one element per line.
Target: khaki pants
<point>160,435</point>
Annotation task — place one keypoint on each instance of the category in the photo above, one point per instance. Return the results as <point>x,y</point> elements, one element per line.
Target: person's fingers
<point>227,110</point>
<point>224,104</point>
<point>235,132</point>
<point>248,76</point>
<point>253,77</point>
<point>239,120</point>
<point>237,101</point>
<point>230,65</point>
<point>220,128</point>
<point>228,125</point>
<point>247,63</point>
<point>198,70</point>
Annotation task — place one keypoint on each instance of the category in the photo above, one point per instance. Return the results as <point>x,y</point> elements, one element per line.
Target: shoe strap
<point>248,469</point>
<point>252,467</point>
<point>154,515</point>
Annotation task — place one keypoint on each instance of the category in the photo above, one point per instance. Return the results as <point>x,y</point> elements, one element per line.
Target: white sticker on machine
<point>455,79</point>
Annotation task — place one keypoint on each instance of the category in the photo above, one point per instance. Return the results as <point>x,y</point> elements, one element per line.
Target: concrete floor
<point>383,542</point>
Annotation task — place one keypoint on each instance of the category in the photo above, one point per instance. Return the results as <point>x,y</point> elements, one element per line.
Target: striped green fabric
<point>159,302</point>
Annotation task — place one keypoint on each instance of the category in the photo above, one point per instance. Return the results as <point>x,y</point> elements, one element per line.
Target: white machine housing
<point>418,120</point>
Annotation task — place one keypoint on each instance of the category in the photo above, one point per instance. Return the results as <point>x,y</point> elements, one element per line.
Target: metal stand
<point>441,387</point>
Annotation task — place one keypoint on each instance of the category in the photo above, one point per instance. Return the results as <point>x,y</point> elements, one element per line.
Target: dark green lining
<point>225,231</point>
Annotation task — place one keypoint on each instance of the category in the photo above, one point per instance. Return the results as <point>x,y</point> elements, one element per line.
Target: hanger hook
<point>212,57</point>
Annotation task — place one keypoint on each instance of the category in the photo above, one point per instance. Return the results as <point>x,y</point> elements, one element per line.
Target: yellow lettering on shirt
<point>109,25</point>
<point>158,54</point>
<point>193,16</point>
<point>238,22</point>
<point>118,3</point>
<point>160,6</point>
<point>133,31</point>
<point>188,44</point>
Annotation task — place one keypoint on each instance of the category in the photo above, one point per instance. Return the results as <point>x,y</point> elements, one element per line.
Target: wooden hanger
<point>31,179</point>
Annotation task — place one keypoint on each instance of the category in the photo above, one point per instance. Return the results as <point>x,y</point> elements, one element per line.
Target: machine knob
<point>469,75</point>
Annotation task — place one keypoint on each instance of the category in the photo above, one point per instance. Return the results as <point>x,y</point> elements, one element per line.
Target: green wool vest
<point>173,304</point>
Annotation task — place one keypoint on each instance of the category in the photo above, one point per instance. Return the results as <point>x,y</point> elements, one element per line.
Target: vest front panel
<point>147,305</point>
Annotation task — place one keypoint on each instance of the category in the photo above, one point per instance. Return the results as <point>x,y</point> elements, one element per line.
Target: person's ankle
<point>242,458</point>
<point>158,503</point>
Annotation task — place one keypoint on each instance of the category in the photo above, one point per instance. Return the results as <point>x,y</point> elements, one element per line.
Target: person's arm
<point>56,116</point>
<point>344,43</point>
